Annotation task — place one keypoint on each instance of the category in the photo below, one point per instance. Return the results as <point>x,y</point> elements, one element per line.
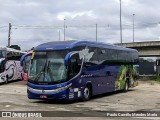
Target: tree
<point>15,47</point>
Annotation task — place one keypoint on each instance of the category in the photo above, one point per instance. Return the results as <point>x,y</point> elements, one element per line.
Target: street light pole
<point>96,32</point>
<point>120,24</point>
<point>59,35</point>
<point>133,29</point>
<point>9,35</point>
<point>64,29</point>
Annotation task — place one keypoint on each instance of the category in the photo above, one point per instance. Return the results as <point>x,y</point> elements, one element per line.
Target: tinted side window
<point>78,48</point>
<point>128,56</point>
<point>122,55</point>
<point>134,57</point>
<point>111,54</point>
<point>102,55</point>
<point>91,58</point>
<point>94,58</point>
<point>13,55</point>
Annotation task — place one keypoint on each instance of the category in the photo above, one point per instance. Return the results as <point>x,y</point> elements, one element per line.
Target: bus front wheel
<point>87,93</point>
<point>6,79</point>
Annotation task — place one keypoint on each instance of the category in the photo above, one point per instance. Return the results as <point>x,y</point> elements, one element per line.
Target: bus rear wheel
<point>87,93</point>
<point>126,87</point>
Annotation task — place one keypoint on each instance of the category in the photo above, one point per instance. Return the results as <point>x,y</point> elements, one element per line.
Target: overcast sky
<point>38,21</point>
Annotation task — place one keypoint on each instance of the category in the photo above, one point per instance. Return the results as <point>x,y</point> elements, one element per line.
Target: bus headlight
<point>63,88</point>
<point>53,91</point>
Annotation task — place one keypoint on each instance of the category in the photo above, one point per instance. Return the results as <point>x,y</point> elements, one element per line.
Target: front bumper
<point>57,96</point>
<point>48,92</point>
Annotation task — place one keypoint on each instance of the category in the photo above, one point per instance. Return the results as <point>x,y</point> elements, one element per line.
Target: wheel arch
<point>89,84</point>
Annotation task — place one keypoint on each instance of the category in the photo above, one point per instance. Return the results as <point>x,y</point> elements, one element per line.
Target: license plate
<point>43,96</point>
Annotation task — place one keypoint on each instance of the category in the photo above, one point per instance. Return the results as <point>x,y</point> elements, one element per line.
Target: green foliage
<point>15,47</point>
<point>120,80</point>
<point>155,78</point>
<point>121,77</point>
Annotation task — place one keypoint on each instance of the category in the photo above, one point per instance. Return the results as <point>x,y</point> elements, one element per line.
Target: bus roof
<point>60,45</point>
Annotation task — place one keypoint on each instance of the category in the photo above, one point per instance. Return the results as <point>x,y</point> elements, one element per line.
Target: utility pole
<point>64,29</point>
<point>59,35</point>
<point>120,23</point>
<point>9,35</point>
<point>133,29</point>
<point>96,32</point>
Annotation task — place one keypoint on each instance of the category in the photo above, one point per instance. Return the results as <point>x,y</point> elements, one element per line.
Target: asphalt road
<point>145,97</point>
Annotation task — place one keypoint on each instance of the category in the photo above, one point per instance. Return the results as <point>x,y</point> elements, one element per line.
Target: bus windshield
<point>47,67</point>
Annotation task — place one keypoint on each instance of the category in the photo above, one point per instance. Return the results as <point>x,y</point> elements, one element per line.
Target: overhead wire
<point>70,26</point>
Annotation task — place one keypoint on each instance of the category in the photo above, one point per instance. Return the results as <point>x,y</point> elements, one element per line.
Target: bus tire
<point>6,79</point>
<point>126,87</point>
<point>87,93</point>
<point>21,76</point>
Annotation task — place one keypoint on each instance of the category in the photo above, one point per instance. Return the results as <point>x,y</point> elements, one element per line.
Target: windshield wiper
<point>50,74</point>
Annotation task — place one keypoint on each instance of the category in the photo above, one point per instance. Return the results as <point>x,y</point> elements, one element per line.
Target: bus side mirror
<point>66,60</point>
<point>22,60</point>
